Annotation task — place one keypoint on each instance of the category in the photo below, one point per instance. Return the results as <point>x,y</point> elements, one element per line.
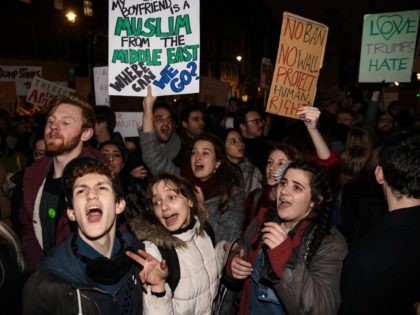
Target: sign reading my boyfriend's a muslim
<point>299,60</point>
<point>388,46</point>
<point>154,42</point>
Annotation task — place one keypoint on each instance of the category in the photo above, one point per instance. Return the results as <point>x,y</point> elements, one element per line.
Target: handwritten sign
<point>388,46</point>
<point>100,80</point>
<point>153,42</point>
<point>299,60</point>
<point>21,75</point>
<point>128,123</point>
<point>43,91</point>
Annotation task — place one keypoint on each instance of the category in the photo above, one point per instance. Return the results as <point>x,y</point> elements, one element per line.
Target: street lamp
<point>71,16</point>
<point>239,58</point>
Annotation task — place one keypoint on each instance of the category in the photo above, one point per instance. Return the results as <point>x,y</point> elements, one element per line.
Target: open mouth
<point>198,167</point>
<point>281,204</point>
<point>94,215</point>
<point>164,131</point>
<point>170,220</point>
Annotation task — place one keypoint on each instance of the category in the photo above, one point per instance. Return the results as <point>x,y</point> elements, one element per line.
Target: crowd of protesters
<point>217,210</point>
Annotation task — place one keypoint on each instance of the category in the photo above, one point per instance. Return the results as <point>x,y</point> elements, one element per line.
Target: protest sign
<point>154,43</point>
<point>299,60</point>
<point>266,73</point>
<point>100,80</point>
<point>43,91</point>
<point>127,123</point>
<point>21,75</point>
<point>388,46</point>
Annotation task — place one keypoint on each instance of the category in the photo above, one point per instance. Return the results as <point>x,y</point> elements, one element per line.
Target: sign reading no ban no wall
<point>299,61</point>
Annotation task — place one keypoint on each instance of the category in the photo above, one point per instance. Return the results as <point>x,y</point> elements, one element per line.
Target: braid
<point>322,196</point>
<point>323,208</point>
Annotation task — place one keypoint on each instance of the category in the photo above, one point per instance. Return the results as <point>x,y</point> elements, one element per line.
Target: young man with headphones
<point>89,273</point>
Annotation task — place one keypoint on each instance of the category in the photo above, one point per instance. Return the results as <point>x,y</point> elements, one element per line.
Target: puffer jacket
<point>200,266</point>
<point>302,289</point>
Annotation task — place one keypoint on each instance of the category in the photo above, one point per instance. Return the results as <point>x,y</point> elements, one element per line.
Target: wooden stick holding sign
<point>299,60</point>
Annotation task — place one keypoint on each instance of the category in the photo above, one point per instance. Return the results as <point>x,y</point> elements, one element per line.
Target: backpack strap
<point>172,261</point>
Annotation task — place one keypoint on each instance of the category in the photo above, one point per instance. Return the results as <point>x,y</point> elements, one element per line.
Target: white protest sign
<point>154,43</point>
<point>128,123</point>
<point>21,75</point>
<point>388,46</point>
<point>100,80</point>
<point>43,91</point>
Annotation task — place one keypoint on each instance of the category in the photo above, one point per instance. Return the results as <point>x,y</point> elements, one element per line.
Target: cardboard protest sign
<point>21,75</point>
<point>388,46</point>
<point>100,80</point>
<point>43,91</point>
<point>154,43</point>
<point>299,60</point>
<point>128,123</point>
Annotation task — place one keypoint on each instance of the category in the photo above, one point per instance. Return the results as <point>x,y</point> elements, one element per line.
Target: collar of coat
<point>148,229</point>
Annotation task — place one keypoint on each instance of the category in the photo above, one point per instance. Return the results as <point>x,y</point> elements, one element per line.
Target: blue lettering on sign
<point>177,80</point>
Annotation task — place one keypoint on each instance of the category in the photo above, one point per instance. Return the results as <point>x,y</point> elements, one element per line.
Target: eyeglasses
<point>257,121</point>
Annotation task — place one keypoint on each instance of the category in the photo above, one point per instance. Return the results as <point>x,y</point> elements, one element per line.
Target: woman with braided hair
<point>290,258</point>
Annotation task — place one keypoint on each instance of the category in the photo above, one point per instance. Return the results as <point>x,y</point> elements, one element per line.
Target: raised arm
<point>153,154</point>
<point>310,115</point>
<point>148,103</point>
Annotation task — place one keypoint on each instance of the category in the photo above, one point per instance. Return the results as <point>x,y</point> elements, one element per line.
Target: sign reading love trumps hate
<point>299,60</point>
<point>388,46</point>
<point>154,42</point>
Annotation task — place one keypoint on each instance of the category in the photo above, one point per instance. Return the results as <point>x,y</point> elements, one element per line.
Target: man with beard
<point>160,145</point>
<point>69,126</point>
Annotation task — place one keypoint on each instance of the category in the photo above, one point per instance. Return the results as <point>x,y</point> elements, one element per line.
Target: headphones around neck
<point>105,270</point>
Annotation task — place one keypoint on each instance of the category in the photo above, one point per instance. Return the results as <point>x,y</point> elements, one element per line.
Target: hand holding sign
<point>309,115</point>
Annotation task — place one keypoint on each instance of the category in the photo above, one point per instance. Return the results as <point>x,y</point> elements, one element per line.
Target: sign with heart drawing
<point>388,46</point>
